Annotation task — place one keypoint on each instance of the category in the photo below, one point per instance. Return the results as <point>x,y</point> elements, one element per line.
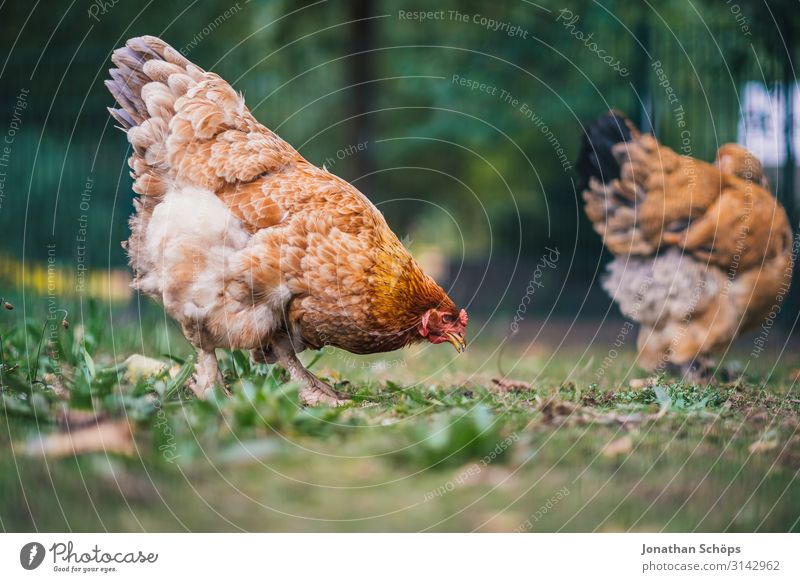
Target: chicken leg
<point>314,390</point>
<point>699,371</point>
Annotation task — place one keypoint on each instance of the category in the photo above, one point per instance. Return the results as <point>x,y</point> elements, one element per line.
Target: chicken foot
<point>699,371</point>
<point>314,390</point>
<point>206,375</point>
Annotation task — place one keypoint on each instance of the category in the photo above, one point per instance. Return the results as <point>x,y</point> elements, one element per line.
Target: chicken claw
<point>318,392</point>
<point>314,390</point>
<point>206,375</point>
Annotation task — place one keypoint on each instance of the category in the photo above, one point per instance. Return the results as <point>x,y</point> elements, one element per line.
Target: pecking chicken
<point>248,245</point>
<point>702,251</point>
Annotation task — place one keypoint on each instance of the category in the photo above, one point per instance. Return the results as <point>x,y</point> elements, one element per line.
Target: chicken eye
<point>447,318</point>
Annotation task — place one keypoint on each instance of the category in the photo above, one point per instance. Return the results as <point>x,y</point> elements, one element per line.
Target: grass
<point>428,442</point>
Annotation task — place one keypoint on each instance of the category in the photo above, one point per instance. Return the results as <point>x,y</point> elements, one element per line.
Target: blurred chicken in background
<point>702,251</point>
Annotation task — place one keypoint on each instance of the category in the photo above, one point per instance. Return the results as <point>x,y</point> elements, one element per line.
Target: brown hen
<point>703,251</point>
<point>247,244</point>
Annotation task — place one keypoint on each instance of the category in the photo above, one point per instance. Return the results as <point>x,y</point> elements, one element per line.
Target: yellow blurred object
<point>108,437</point>
<point>51,278</point>
<point>139,366</point>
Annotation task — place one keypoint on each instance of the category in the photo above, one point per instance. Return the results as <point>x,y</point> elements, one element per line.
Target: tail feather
<point>123,118</point>
<point>610,189</point>
<point>130,77</point>
<point>142,84</point>
<point>186,125</point>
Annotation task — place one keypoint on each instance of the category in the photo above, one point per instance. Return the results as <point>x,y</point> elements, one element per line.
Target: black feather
<point>595,158</point>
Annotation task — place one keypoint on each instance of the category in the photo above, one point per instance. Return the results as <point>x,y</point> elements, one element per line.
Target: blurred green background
<point>481,179</point>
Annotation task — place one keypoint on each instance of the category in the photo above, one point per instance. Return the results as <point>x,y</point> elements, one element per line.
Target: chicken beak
<point>457,340</point>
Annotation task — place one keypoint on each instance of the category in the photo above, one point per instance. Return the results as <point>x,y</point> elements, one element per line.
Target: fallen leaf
<point>557,411</point>
<point>620,446</point>
<point>641,383</point>
<point>506,385</point>
<point>74,418</point>
<point>758,416</point>
<point>109,437</point>
<point>631,418</point>
<point>713,431</point>
<point>762,446</point>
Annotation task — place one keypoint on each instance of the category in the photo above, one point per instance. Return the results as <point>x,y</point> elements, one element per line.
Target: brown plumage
<point>247,244</point>
<point>703,251</point>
